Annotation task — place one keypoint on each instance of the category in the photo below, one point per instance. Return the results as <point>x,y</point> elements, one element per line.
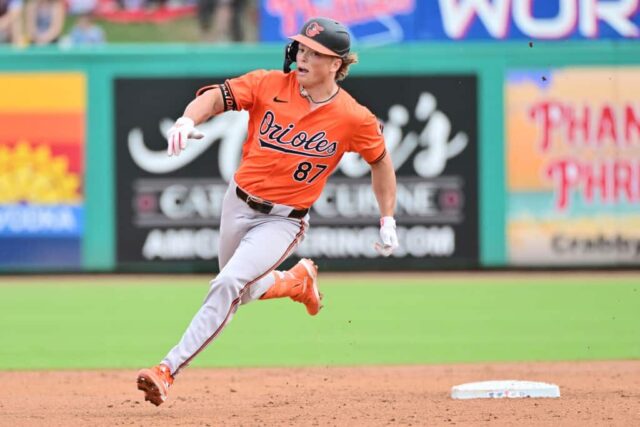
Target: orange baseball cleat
<point>155,383</point>
<point>300,283</point>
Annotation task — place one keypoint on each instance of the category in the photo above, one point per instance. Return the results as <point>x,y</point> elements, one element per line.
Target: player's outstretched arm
<point>383,182</point>
<point>205,106</point>
<point>201,109</point>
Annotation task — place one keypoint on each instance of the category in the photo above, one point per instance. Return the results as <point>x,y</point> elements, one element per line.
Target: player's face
<point>314,67</point>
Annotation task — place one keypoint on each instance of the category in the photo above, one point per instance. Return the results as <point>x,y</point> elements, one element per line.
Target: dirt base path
<point>593,393</point>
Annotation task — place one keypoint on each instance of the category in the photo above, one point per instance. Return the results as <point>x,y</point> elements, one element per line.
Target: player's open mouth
<point>302,70</point>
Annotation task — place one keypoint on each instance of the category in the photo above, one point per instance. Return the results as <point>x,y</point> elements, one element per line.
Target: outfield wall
<point>506,155</point>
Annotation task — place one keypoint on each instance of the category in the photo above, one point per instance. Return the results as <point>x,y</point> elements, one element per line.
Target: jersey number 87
<point>305,169</point>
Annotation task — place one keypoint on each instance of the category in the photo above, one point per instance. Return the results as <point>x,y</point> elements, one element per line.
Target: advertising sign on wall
<point>573,165</point>
<point>169,207</point>
<point>379,22</point>
<point>528,19</point>
<point>42,135</point>
<point>431,133</point>
<point>373,22</point>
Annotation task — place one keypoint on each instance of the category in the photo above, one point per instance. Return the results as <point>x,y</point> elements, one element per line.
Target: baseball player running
<point>301,123</point>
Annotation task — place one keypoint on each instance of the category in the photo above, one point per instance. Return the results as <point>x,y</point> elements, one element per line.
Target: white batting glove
<point>182,130</point>
<point>388,236</point>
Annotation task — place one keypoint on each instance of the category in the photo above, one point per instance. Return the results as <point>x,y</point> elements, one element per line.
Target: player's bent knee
<point>226,284</point>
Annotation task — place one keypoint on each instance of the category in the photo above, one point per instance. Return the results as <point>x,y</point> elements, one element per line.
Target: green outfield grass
<point>130,322</point>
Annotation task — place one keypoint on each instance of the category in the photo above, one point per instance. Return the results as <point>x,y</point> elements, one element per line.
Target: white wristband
<point>388,221</point>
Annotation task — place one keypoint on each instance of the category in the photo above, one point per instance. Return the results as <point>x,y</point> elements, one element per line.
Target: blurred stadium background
<point>514,127</point>
<point>515,133</point>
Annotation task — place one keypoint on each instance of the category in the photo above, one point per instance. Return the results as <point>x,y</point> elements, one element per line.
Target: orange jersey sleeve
<point>367,138</point>
<point>245,89</point>
<point>290,151</point>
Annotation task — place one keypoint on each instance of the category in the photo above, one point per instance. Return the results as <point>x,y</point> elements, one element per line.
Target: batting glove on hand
<point>182,130</point>
<point>388,236</point>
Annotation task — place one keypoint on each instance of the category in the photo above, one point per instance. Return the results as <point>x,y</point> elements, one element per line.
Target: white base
<point>504,388</point>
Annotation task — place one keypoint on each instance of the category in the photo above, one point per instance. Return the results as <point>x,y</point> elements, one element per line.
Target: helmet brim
<point>307,41</point>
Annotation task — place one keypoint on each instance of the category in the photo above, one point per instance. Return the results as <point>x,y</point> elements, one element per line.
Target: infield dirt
<point>593,393</point>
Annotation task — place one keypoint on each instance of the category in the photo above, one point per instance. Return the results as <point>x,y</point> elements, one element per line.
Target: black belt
<point>264,206</point>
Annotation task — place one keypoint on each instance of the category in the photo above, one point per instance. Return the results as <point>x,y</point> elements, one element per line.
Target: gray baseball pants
<point>252,245</point>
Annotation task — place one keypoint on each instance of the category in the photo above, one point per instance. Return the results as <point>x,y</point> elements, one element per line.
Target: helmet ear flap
<point>290,52</point>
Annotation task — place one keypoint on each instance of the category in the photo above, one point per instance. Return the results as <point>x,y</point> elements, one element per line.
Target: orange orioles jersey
<point>290,151</point>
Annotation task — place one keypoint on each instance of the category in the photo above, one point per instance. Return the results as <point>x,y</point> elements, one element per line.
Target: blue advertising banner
<point>528,19</point>
<point>41,221</point>
<point>381,22</point>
